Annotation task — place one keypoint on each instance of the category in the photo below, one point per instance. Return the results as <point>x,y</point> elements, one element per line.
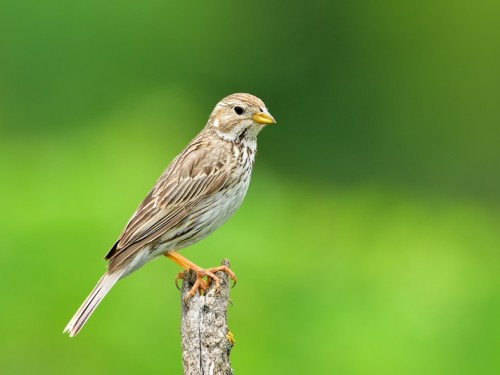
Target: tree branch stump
<point>206,339</point>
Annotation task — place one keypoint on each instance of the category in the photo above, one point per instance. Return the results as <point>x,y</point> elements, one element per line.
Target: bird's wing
<point>194,175</point>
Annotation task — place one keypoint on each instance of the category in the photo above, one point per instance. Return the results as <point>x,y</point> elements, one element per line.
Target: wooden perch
<point>206,339</point>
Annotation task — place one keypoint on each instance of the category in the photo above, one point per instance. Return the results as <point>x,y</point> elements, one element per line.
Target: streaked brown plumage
<point>202,187</point>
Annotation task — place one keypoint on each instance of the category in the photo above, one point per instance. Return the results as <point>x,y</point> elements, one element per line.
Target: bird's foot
<point>180,276</point>
<point>204,278</point>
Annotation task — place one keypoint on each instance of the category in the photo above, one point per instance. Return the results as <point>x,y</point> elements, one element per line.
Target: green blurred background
<point>369,240</point>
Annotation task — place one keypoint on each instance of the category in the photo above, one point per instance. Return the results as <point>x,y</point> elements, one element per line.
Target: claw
<point>227,271</point>
<point>180,276</point>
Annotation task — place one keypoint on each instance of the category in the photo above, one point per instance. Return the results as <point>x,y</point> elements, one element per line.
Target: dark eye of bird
<point>238,110</point>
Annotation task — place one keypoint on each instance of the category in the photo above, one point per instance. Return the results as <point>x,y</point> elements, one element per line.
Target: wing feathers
<point>193,175</point>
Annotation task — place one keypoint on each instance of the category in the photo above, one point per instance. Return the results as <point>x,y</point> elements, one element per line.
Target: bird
<point>200,189</point>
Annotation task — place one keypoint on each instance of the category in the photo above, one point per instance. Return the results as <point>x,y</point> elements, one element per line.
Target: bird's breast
<point>217,208</point>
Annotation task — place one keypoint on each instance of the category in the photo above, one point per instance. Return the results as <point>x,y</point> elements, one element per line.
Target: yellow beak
<point>263,118</point>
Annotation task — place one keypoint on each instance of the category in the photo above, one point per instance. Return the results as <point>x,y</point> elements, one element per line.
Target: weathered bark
<point>206,339</point>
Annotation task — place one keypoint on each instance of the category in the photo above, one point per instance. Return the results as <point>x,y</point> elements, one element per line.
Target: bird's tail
<point>92,301</point>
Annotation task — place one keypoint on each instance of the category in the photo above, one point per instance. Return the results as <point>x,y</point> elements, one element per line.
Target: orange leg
<point>199,284</point>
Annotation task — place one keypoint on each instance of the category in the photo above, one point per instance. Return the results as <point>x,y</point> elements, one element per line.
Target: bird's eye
<point>239,110</point>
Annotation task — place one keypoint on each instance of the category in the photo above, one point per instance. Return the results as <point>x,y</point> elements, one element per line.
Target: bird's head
<point>239,116</point>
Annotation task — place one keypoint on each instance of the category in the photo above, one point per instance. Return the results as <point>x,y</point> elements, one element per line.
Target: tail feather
<point>92,301</point>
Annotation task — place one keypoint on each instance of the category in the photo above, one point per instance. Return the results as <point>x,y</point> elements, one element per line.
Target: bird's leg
<point>209,273</point>
<point>185,264</point>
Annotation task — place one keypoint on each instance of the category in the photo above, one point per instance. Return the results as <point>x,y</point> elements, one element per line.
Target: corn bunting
<point>202,187</point>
